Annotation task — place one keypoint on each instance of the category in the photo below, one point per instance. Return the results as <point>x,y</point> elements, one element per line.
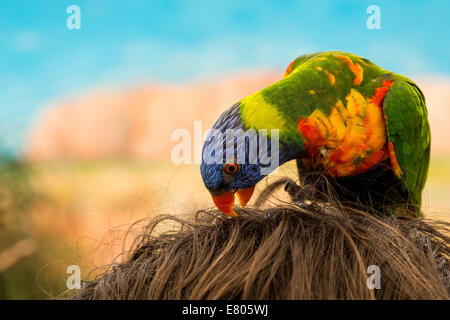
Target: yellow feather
<point>259,114</point>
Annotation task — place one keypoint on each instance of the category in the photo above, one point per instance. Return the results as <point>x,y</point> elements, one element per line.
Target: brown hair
<point>294,251</point>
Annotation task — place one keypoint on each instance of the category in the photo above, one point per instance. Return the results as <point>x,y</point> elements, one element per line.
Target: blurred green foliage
<point>15,198</point>
<point>22,274</point>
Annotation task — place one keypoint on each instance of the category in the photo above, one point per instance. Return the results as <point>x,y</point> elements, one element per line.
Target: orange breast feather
<point>351,139</point>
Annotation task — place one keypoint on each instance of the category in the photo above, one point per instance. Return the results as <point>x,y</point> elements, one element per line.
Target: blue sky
<point>122,43</point>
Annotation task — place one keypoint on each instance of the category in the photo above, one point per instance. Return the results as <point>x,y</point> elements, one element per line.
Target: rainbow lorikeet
<point>338,114</point>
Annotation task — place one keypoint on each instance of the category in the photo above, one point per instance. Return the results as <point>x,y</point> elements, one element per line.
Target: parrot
<point>336,114</point>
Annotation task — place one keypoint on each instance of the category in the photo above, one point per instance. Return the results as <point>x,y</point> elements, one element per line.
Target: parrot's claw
<point>298,193</point>
<point>291,188</point>
<point>303,196</point>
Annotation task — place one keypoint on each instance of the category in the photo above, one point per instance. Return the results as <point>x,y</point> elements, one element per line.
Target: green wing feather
<point>409,132</point>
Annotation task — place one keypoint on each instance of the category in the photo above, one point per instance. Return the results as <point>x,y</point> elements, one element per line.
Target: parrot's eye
<point>231,169</point>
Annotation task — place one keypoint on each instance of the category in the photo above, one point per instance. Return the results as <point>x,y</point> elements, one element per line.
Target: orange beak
<point>244,195</point>
<point>225,201</point>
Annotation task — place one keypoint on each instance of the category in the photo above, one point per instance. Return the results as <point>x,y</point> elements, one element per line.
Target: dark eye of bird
<point>231,168</point>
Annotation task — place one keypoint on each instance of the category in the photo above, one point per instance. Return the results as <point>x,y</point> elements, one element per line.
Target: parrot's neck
<point>288,153</point>
<point>285,153</point>
<point>286,150</point>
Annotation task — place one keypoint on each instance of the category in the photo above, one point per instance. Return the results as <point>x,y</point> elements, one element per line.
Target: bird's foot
<point>304,196</point>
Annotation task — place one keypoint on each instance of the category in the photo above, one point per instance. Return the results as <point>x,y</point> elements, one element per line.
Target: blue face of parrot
<point>234,159</point>
<point>225,178</point>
